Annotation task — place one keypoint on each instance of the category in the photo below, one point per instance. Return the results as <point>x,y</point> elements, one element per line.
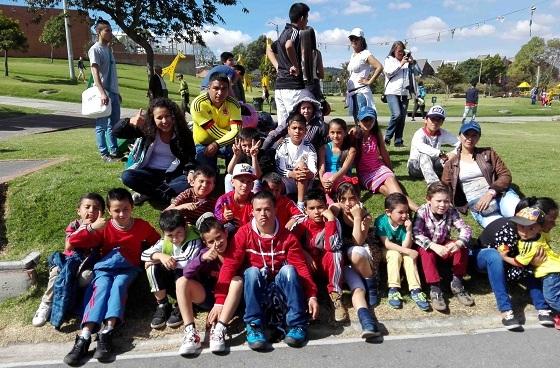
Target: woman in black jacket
<point>163,154</point>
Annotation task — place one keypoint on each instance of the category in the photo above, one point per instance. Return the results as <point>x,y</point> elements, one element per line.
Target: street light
<point>276,26</point>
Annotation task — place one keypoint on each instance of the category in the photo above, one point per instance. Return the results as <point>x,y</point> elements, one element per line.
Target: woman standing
<point>360,66</point>
<point>399,68</point>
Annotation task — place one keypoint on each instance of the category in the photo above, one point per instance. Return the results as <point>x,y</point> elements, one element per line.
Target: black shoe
<point>510,322</point>
<point>401,144</point>
<point>161,315</point>
<point>78,352</point>
<point>104,350</point>
<point>116,156</point>
<point>545,317</point>
<point>387,142</point>
<point>175,319</point>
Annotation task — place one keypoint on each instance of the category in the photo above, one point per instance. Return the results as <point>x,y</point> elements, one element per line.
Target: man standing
<point>157,87</point>
<point>104,71</point>
<point>216,121</point>
<point>285,55</point>
<point>471,102</point>
<point>184,92</point>
<point>276,263</point>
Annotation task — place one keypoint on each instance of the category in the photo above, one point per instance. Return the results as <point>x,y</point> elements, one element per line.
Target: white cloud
<point>430,26</point>
<point>313,2</point>
<point>315,17</point>
<point>475,31</point>
<point>556,3</point>
<point>224,40</point>
<point>453,4</point>
<point>399,5</point>
<point>541,27</point>
<point>272,35</point>
<point>335,36</point>
<point>357,7</point>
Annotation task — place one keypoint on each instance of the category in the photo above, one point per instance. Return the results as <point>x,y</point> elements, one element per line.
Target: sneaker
<point>116,156</point>
<point>161,315</point>
<point>78,352</point>
<point>387,142</point>
<point>464,297</point>
<point>138,198</point>
<point>545,317</point>
<point>556,320</point>
<point>296,336</point>
<point>106,158</point>
<point>420,299</point>
<point>217,338</point>
<point>510,322</point>
<point>175,319</point>
<point>42,315</point>
<point>191,341</point>
<point>400,144</point>
<point>394,298</point>
<point>438,302</point>
<point>369,327</point>
<point>255,335</point>
<point>340,313</point>
<point>104,350</point>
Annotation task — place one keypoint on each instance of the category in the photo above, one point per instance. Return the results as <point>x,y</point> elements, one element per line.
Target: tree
<point>527,59</point>
<point>493,69</point>
<point>11,38</point>
<point>469,69</point>
<point>142,20</point>
<point>54,33</point>
<point>449,75</point>
<point>204,56</point>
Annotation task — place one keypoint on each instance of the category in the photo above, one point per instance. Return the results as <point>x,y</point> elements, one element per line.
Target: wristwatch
<point>493,192</point>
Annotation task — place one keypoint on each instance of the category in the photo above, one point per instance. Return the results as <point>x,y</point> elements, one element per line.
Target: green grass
<point>10,111</point>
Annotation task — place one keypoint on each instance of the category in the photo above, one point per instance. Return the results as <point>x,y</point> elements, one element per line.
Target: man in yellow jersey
<point>217,120</point>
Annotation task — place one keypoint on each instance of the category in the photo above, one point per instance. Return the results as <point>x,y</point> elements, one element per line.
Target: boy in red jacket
<point>287,212</point>
<point>275,260</point>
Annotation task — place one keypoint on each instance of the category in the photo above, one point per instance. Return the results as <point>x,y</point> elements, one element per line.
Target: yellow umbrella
<point>524,85</point>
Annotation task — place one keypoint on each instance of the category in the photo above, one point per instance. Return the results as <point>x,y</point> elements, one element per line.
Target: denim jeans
<point>488,260</point>
<point>551,290</point>
<point>287,280</point>
<point>506,208</point>
<point>104,128</point>
<point>398,106</point>
<point>154,183</point>
<point>203,160</point>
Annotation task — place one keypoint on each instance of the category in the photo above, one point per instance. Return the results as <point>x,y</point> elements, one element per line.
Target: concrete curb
<point>18,276</point>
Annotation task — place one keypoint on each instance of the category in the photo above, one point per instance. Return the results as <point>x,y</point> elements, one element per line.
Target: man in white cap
<point>426,157</point>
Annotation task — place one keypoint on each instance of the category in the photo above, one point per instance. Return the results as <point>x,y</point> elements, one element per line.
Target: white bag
<point>92,106</point>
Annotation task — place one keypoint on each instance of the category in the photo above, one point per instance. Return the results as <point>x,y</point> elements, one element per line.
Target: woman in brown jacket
<point>479,179</point>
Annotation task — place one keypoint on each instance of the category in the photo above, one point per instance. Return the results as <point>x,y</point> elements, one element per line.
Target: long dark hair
<point>180,127</point>
<point>308,47</point>
<point>396,44</point>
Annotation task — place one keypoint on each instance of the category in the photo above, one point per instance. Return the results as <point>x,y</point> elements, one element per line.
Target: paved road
<point>537,347</point>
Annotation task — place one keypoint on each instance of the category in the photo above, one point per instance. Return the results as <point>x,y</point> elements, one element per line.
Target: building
<point>425,67</point>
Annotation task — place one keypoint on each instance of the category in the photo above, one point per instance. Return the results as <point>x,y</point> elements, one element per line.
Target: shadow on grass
<point>57,81</point>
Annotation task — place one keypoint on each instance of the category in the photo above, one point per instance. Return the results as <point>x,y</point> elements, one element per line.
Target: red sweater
<point>245,251</point>
<point>286,209</point>
<point>141,234</point>
<point>242,214</point>
<point>317,238</point>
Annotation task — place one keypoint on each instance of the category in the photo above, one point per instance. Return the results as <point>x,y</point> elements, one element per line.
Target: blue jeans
<point>202,159</point>
<point>287,280</point>
<point>154,183</point>
<point>551,290</point>
<point>398,106</point>
<point>104,128</point>
<point>488,260</point>
<point>506,208</point>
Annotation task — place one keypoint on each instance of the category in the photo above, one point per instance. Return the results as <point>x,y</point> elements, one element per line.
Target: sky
<point>434,29</point>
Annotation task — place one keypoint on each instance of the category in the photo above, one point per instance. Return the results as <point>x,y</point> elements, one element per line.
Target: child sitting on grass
<point>287,212</point>
<point>199,198</point>
<point>296,159</point>
<point>394,228</point>
<point>121,239</point>
<point>197,287</point>
<point>234,208</point>
<point>432,233</point>
<point>90,206</point>
<point>164,263</point>
<point>245,151</point>
<point>320,237</point>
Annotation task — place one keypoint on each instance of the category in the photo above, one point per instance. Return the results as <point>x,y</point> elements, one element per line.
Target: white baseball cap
<point>356,32</point>
<point>243,169</point>
<point>436,110</point>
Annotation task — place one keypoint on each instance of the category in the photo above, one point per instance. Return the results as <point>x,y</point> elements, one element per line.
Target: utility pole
<point>538,74</point>
<point>480,71</point>
<point>276,27</point>
<point>68,40</point>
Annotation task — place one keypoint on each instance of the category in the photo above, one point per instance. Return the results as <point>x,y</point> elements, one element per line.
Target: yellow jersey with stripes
<point>527,250</point>
<point>212,124</point>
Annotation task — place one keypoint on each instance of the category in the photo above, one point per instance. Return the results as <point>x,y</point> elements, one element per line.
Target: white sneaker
<point>191,341</point>
<point>217,338</point>
<point>42,315</point>
<point>138,198</point>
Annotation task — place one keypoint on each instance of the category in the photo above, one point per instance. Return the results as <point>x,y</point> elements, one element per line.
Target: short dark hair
<point>169,220</point>
<point>224,56</point>
<point>205,171</point>
<point>119,194</point>
<point>264,194</point>
<point>437,187</point>
<point>314,195</point>
<point>298,10</point>
<point>545,204</point>
<point>210,223</point>
<point>394,199</point>
<point>272,177</point>
<point>240,68</point>
<point>93,197</point>
<point>296,117</point>
<point>248,133</point>
<point>100,25</point>
<point>217,76</point>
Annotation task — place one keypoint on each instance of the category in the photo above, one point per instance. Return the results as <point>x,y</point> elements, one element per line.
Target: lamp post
<point>275,26</point>
<point>68,41</point>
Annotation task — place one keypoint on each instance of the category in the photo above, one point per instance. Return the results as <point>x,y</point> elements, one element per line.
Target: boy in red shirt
<point>234,209</point>
<point>287,212</point>
<point>320,237</point>
<point>271,259</point>
<point>121,239</point>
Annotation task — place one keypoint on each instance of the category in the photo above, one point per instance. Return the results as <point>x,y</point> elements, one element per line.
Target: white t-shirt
<point>359,68</point>
<point>473,182</point>
<point>161,157</point>
<point>103,57</point>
